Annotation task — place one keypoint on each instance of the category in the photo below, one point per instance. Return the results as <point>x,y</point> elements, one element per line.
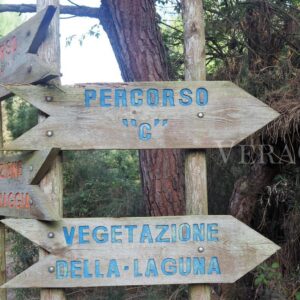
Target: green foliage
<point>102,184</point>
<point>267,274</point>
<point>94,31</point>
<point>24,254</point>
<point>172,33</point>
<point>21,116</point>
<point>171,5</point>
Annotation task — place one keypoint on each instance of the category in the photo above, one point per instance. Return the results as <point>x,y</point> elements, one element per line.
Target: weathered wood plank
<point>19,197</point>
<point>95,116</point>
<point>140,251</point>
<point>18,60</point>
<point>39,164</point>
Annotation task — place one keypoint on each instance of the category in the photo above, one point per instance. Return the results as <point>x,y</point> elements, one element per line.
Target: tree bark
<point>137,43</point>
<point>247,188</point>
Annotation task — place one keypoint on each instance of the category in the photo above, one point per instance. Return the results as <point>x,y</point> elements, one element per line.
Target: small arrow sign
<point>140,251</point>
<point>18,60</point>
<point>142,116</point>
<point>20,196</point>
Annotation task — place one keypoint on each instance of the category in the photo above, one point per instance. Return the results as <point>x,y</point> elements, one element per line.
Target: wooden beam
<point>195,163</point>
<point>78,11</point>
<point>52,184</point>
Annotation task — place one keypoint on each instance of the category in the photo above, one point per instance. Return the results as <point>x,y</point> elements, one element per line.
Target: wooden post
<point>195,161</point>
<point>2,261</point>
<point>52,183</point>
<point>3,292</point>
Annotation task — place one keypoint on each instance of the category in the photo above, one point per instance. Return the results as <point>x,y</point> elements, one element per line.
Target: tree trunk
<point>247,188</point>
<point>137,43</point>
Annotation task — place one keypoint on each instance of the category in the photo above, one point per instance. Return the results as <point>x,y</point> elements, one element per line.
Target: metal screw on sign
<point>51,235</point>
<point>51,269</point>
<point>201,249</point>
<point>200,115</point>
<point>48,98</point>
<point>49,133</point>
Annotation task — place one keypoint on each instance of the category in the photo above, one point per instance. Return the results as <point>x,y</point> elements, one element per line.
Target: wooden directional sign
<point>18,60</point>
<point>20,196</point>
<point>142,116</point>
<point>140,251</point>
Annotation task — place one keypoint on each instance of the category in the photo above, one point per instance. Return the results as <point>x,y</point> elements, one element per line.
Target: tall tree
<point>131,26</point>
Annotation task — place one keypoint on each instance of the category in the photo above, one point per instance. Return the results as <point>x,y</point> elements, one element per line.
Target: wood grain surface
<point>20,195</point>
<point>158,250</point>
<point>229,116</point>
<point>19,63</point>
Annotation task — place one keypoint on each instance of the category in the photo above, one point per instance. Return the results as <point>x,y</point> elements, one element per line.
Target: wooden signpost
<point>142,116</point>
<point>145,115</point>
<point>140,251</point>
<point>18,60</point>
<point>20,195</point>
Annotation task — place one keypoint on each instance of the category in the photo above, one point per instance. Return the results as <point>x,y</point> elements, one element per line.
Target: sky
<point>94,61</point>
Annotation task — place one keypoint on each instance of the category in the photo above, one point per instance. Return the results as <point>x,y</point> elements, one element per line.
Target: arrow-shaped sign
<point>18,60</point>
<point>140,251</point>
<point>142,116</point>
<point>20,196</point>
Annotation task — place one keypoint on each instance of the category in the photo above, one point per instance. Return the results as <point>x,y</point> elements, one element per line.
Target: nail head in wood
<point>49,133</point>
<point>201,249</point>
<point>48,98</point>
<point>51,235</point>
<point>51,269</point>
<point>200,115</point>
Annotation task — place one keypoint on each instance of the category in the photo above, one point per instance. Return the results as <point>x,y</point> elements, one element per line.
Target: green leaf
<point>297,296</point>
<point>275,265</point>
<point>257,281</point>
